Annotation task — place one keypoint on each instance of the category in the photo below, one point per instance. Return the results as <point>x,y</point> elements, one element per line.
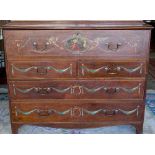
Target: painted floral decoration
<point>77,43</point>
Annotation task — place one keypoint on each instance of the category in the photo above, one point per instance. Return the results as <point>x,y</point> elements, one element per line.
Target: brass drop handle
<point>42,91</point>
<point>113,46</point>
<point>42,70</point>
<point>110,112</point>
<point>111,90</point>
<point>44,113</point>
<point>35,45</point>
<point>112,70</point>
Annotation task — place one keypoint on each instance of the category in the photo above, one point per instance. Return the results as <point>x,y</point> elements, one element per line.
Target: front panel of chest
<point>77,76</point>
<point>71,43</point>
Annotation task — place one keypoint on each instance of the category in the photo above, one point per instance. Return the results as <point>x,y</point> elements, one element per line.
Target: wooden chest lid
<point>77,25</point>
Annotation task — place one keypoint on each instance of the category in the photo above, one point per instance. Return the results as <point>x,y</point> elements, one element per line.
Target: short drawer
<point>98,43</point>
<point>60,111</point>
<point>41,69</point>
<point>70,89</point>
<point>111,69</point>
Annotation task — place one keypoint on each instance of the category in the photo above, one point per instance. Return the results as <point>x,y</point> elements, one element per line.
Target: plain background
<point>77,10</point>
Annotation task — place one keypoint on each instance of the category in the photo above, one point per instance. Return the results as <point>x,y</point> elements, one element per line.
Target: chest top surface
<point>77,25</point>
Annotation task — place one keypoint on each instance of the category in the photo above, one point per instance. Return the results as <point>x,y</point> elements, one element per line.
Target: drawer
<point>41,69</point>
<point>70,89</point>
<point>61,111</point>
<point>109,43</point>
<point>111,69</point>
<point>68,69</point>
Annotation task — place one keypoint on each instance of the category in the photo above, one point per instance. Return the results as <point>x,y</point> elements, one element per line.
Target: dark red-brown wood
<point>76,112</point>
<point>42,69</point>
<point>66,89</point>
<point>99,43</point>
<point>108,63</point>
<point>45,25</point>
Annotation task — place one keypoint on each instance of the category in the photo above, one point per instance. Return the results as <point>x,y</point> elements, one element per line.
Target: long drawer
<point>58,68</point>
<point>77,89</point>
<point>98,43</point>
<point>75,111</point>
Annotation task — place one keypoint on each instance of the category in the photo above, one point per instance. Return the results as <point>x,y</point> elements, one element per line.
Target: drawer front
<point>75,112</point>
<point>111,69</point>
<point>111,89</point>
<point>41,69</point>
<point>69,69</point>
<point>99,89</point>
<point>109,43</point>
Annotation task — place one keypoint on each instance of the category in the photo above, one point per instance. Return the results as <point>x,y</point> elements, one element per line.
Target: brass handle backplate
<point>36,46</point>
<point>113,46</point>
<point>42,91</point>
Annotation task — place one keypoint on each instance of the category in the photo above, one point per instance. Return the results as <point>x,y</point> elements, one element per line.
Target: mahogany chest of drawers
<point>77,74</point>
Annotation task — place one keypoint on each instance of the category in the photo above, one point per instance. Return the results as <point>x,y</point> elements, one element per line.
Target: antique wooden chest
<point>77,74</point>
